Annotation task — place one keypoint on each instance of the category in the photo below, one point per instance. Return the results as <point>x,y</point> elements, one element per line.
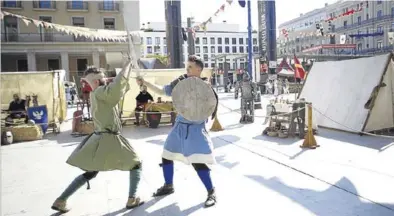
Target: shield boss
<point>194,99</point>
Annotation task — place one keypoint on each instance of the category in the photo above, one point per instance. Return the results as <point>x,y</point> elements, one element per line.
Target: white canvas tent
<point>352,95</point>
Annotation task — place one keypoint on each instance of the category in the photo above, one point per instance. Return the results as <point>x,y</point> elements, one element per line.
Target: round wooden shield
<point>194,99</point>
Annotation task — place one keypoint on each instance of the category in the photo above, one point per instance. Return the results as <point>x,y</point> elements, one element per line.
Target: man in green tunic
<point>105,149</point>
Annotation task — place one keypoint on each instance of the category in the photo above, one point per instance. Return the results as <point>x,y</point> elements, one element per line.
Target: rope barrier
<point>261,116</point>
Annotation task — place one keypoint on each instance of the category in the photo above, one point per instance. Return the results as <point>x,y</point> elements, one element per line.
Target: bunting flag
<point>299,70</point>
<point>203,25</point>
<point>242,3</point>
<point>284,65</point>
<point>93,34</point>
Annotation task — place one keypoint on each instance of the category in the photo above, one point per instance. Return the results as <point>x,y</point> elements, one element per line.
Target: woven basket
<point>283,134</point>
<point>272,133</point>
<point>85,127</point>
<point>26,133</point>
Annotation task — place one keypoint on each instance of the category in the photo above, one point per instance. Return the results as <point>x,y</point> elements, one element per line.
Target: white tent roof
<point>340,90</point>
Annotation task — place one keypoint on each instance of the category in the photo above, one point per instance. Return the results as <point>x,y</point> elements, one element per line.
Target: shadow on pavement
<point>377,143</point>
<point>318,201</point>
<point>172,209</point>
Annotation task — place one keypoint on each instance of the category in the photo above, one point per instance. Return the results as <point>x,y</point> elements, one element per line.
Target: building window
<point>212,65</point>
<point>241,41</point>
<point>255,49</point>
<point>345,24</point>
<point>149,40</point>
<point>379,29</point>
<point>227,49</point>
<point>241,49</point>
<point>242,65</point>
<point>359,20</point>
<point>221,65</point>
<point>367,17</point>
<point>11,4</point>
<point>212,49</point>
<point>234,49</point>
<point>46,33</point>
<point>205,49</point>
<point>206,65</point>
<point>197,40</point>
<point>164,40</point>
<point>378,2</point>
<point>220,41</point>
<point>78,21</point>
<point>109,23</point>
<point>11,28</point>
<point>198,49</point>
<point>204,40</point>
<point>206,58</point>
<point>149,49</point>
<point>226,41</point>
<point>247,49</point>
<point>212,40</point>
<point>157,40</point>
<point>77,5</point>
<point>379,45</point>
<point>379,14</point>
<point>233,41</point>
<point>157,49</point>
<point>220,49</point>
<point>254,41</point>
<point>44,4</point>
<point>108,5</point>
<point>165,49</point>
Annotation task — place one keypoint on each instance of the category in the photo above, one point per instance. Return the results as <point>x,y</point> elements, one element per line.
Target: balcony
<point>44,5</point>
<point>77,6</point>
<point>385,49</point>
<point>11,4</point>
<point>365,22</point>
<point>108,6</point>
<point>44,37</point>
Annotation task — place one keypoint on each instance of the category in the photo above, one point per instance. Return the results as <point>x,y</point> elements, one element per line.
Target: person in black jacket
<point>142,99</point>
<point>17,109</point>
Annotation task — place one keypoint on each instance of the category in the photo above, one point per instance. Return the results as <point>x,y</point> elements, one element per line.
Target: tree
<point>163,59</point>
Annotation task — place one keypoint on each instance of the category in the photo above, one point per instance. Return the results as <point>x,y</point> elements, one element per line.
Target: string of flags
<point>78,32</point>
<point>203,26</point>
<point>319,26</point>
<point>347,13</point>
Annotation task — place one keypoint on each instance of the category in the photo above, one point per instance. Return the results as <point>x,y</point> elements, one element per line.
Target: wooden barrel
<point>153,119</point>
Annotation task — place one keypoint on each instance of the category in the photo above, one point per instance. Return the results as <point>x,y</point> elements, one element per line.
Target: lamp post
<point>250,48</point>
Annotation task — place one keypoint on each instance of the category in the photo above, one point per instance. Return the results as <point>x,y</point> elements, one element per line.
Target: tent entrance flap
<point>382,113</point>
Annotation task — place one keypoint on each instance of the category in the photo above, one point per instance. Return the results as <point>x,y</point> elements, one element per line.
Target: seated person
<point>17,110</point>
<point>142,99</point>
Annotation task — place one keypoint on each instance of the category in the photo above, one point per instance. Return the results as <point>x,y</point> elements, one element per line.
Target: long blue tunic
<point>188,141</point>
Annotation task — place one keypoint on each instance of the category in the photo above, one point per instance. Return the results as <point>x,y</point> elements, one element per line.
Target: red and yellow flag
<point>299,70</point>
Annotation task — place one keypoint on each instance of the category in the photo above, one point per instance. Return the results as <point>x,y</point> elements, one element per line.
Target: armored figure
<point>248,92</point>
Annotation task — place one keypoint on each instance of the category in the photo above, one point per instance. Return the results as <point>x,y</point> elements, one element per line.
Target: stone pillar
<point>96,59</point>
<point>65,64</point>
<point>31,61</point>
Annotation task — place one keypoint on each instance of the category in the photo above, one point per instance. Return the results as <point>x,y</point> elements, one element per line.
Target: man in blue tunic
<point>188,142</point>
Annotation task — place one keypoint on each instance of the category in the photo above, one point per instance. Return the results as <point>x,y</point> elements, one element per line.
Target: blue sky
<point>153,10</point>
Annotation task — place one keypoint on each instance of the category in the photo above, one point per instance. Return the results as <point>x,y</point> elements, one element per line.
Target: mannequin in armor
<point>248,91</point>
